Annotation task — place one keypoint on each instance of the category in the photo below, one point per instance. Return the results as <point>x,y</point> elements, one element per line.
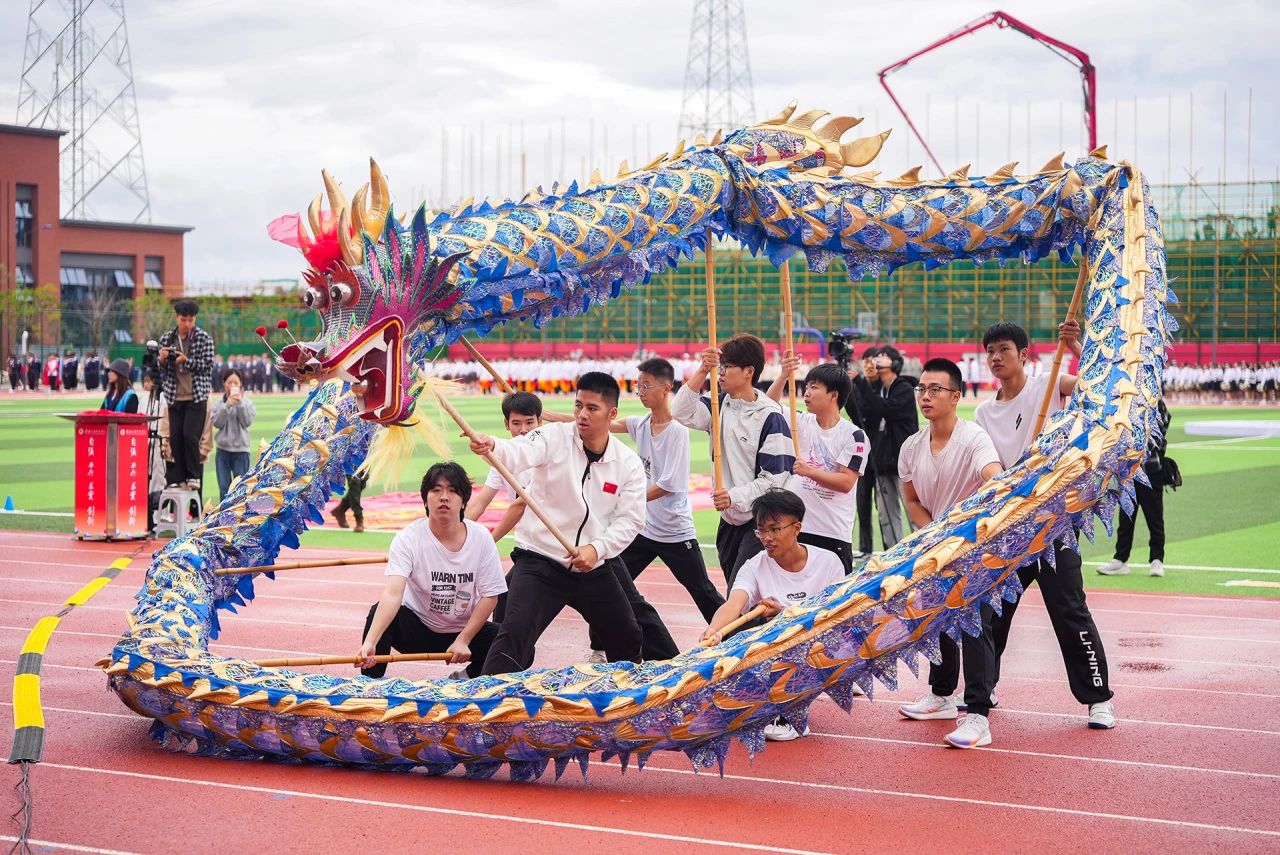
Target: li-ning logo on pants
<point>1092,655</point>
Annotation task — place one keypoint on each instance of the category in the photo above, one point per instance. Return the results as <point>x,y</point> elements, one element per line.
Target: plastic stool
<point>178,511</point>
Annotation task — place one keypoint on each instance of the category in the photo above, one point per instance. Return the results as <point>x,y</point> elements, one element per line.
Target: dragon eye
<point>342,294</point>
<point>315,298</point>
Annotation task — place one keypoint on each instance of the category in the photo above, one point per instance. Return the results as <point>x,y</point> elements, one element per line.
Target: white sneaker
<point>597,657</point>
<point>1156,568</point>
<point>1115,567</point>
<point>1102,716</point>
<point>974,731</point>
<point>781,730</point>
<point>929,706</point>
<point>963,707</point>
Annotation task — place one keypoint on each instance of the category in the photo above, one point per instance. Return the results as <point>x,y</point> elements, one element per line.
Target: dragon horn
<point>359,210</point>
<point>313,215</point>
<point>718,138</point>
<point>337,199</point>
<point>832,130</point>
<point>376,219</point>
<point>352,249</point>
<point>1100,152</point>
<point>304,239</point>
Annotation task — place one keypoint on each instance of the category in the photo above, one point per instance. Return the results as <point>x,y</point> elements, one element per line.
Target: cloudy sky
<point>243,102</point>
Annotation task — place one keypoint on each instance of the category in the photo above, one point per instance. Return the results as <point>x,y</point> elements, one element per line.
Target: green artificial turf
<point>1226,516</point>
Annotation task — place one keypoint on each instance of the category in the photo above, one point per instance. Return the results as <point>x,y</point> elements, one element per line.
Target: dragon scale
<point>388,291</point>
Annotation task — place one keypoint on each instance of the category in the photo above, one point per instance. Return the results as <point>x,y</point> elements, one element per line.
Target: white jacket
<point>601,504</point>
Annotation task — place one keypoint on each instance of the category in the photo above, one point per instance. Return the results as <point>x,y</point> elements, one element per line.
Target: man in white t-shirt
<point>663,446</point>
<point>443,580</point>
<point>833,456</point>
<point>940,465</point>
<point>1009,418</point>
<point>785,574</point>
<point>521,413</point>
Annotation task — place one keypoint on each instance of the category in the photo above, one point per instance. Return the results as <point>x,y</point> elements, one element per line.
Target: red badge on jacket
<point>610,488</point>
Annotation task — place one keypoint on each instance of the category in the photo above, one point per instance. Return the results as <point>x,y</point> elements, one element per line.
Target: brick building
<point>38,247</point>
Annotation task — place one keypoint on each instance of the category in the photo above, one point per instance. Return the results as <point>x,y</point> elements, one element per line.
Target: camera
<point>151,361</point>
<point>840,348</point>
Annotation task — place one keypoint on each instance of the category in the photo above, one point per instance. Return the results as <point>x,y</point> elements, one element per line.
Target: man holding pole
<point>591,486</point>
<point>443,580</point>
<point>1010,419</point>
<point>754,439</point>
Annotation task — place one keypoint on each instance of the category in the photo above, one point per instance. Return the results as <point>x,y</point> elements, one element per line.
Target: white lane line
<point>419,808</point>
<point>1060,680</point>
<point>1089,815</point>
<point>61,631</point>
<point>55,846</point>
<point>133,717</point>
<point>1208,568</point>
<point>1051,756</point>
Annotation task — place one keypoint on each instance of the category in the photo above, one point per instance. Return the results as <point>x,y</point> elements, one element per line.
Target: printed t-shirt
<point>827,512</point>
<point>762,577</point>
<point>445,586</point>
<point>666,465</point>
<point>940,480</point>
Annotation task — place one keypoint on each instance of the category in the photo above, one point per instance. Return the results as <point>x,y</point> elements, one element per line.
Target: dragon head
<point>375,284</point>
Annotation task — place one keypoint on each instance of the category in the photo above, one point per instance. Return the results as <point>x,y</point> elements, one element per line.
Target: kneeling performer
<point>443,580</point>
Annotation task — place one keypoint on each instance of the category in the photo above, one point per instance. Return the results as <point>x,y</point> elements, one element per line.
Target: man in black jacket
<point>887,404</point>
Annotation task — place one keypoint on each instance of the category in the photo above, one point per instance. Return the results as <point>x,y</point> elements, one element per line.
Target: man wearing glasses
<point>940,465</point>
<point>755,442</point>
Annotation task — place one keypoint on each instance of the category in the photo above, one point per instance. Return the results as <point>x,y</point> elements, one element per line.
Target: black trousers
<point>540,588</point>
<point>843,549</point>
<point>1062,588</point>
<point>408,634</point>
<point>186,426</point>
<point>734,545</point>
<point>351,500</point>
<point>864,493</point>
<point>657,643</point>
<point>684,560</point>
<point>1151,500</point>
<point>980,668</point>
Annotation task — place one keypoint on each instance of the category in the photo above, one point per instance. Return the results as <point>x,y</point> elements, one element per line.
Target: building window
<point>124,279</point>
<point>151,279</point>
<point>23,276</point>
<point>22,222</point>
<point>75,277</point>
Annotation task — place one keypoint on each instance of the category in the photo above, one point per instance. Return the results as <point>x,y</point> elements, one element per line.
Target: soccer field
<point>1223,526</point>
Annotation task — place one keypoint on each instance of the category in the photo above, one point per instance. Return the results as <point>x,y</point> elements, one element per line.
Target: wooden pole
<point>785,271</point>
<point>299,565</point>
<point>507,476</point>
<point>1051,389</point>
<point>758,611</point>
<point>484,363</point>
<point>304,661</point>
<point>716,465</point>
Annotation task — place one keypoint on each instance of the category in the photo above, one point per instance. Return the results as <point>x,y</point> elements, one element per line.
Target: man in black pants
<point>864,491</point>
<point>186,365</point>
<point>888,408</point>
<point>1151,501</point>
<point>1009,418</point>
<point>592,489</point>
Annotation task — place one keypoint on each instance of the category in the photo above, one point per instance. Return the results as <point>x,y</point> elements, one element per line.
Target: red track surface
<point>1193,765</point>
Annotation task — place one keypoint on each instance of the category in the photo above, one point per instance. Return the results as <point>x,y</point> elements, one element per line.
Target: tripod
<point>153,440</point>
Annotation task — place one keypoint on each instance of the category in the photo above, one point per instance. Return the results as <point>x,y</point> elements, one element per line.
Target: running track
<point>1193,765</point>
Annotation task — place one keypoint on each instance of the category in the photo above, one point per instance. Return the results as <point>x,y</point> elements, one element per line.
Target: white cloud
<point>242,103</point>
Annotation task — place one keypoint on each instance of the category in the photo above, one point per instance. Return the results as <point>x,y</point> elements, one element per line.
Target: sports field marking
<point>1024,678</point>
<point>1035,808</point>
<point>70,847</point>
<point>419,808</point>
<point>1208,568</point>
<point>1051,756</point>
<point>221,646</point>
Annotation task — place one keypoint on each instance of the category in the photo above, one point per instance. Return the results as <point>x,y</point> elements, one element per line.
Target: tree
<point>101,306</point>
<point>152,316</point>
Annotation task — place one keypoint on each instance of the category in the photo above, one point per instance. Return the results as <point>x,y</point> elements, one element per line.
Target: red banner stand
<point>111,474</point>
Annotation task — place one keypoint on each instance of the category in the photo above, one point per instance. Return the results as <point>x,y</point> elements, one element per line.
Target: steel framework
<point>77,76</point>
<point>1003,20</point>
<point>717,80</point>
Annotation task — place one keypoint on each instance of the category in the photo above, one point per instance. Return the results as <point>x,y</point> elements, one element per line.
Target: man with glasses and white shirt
<point>942,464</point>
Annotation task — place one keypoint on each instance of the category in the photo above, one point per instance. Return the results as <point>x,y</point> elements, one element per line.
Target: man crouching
<point>443,580</point>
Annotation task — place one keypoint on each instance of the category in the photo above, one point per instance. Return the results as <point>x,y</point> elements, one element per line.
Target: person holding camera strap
<point>186,370</point>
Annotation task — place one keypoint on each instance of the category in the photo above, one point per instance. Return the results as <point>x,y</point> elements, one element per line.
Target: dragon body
<point>389,290</point>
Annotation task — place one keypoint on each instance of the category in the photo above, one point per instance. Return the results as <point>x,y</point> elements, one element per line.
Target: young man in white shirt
<point>443,580</point>
<point>786,573</point>
<point>592,488</point>
<point>940,465</point>
<point>1009,418</point>
<point>833,456</point>
<point>521,413</point>
<point>755,442</point>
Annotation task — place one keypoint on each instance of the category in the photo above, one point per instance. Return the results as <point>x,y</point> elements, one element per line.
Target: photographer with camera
<point>887,403</point>
<point>186,368</point>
